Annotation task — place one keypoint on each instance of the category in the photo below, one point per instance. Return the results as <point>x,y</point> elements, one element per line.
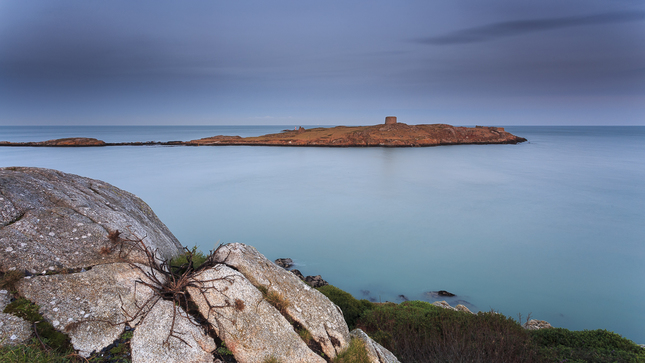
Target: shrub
<point>596,346</point>
<point>417,331</point>
<point>193,255</point>
<point>351,307</point>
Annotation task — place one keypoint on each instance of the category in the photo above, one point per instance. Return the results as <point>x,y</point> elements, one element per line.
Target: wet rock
<point>298,273</point>
<point>284,262</point>
<point>92,307</point>
<point>151,344</point>
<point>316,281</point>
<point>51,220</point>
<point>249,326</point>
<point>307,306</point>
<point>445,293</point>
<point>536,325</point>
<point>376,352</point>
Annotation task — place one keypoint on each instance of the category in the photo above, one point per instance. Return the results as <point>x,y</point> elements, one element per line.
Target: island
<point>389,134</point>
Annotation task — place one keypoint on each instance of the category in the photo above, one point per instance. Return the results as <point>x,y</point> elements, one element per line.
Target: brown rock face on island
<point>72,141</point>
<point>389,135</point>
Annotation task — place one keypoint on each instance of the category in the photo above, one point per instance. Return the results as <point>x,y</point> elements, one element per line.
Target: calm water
<point>554,227</point>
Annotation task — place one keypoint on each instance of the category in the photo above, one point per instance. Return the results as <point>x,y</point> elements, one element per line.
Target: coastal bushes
<point>595,346</point>
<point>352,308</point>
<point>417,331</point>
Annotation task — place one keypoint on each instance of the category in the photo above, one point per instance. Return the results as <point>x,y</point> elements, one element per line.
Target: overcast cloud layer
<point>498,62</point>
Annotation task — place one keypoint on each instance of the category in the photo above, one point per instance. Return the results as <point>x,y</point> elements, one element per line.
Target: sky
<point>324,62</point>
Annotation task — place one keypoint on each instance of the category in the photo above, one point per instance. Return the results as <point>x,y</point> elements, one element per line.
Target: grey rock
<point>92,307</point>
<point>376,352</point>
<point>14,330</point>
<point>249,326</point>
<point>284,262</point>
<point>298,274</point>
<point>50,220</point>
<point>316,281</point>
<point>463,308</point>
<point>151,344</point>
<point>536,325</point>
<point>5,299</point>
<point>307,306</point>
<point>443,304</point>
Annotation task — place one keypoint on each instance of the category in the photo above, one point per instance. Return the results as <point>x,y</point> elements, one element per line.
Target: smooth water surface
<point>554,227</point>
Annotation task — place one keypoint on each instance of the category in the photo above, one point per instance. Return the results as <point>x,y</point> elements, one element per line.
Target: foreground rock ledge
<point>387,135</point>
<point>53,226</point>
<point>50,220</point>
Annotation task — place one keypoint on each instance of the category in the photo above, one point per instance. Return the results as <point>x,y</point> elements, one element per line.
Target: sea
<point>553,228</point>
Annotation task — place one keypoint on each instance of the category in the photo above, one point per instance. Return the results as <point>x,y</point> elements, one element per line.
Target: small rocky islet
<point>389,134</point>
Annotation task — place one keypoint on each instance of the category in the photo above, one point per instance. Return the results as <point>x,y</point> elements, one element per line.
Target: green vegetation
<point>355,353</point>
<point>48,335</point>
<point>596,346</point>
<point>351,307</point>
<point>417,331</point>
<point>190,256</point>
<point>33,352</point>
<point>9,279</point>
<point>275,299</point>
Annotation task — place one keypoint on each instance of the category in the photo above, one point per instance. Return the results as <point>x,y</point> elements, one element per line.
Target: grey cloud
<point>510,28</point>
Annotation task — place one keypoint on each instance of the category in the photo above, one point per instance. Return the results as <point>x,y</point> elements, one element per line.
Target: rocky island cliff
<point>390,134</point>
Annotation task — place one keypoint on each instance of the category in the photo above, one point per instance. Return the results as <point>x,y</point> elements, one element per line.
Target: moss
<point>27,310</point>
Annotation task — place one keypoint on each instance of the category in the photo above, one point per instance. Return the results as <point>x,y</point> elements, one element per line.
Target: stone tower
<point>390,120</point>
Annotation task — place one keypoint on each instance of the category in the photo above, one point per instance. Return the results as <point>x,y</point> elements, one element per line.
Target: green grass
<point>355,353</point>
<point>32,352</point>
